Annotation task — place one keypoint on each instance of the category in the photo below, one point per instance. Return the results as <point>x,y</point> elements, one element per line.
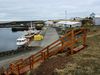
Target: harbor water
<point>8,39</point>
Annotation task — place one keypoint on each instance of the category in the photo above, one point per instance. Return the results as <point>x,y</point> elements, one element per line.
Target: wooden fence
<point>68,41</point>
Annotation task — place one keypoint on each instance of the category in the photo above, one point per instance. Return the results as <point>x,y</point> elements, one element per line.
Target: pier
<point>50,35</point>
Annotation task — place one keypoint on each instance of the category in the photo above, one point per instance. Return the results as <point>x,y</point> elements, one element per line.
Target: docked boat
<point>26,37</point>
<point>31,33</point>
<point>22,41</point>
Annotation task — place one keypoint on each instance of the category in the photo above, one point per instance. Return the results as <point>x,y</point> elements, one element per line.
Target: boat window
<point>23,40</point>
<point>19,40</point>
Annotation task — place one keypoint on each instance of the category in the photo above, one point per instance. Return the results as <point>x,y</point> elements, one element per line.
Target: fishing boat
<point>26,37</point>
<point>22,41</point>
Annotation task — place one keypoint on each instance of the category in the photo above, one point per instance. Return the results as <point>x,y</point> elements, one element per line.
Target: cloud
<point>46,9</point>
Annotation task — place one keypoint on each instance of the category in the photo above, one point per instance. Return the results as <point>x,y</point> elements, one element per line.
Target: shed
<point>49,23</point>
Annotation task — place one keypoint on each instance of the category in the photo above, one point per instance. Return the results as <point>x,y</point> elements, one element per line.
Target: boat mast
<point>31,25</point>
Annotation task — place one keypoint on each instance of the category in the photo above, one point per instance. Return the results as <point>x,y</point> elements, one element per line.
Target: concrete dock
<point>50,36</point>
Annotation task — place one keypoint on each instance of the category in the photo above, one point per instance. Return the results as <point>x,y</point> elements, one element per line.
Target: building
<point>97,20</point>
<point>68,24</point>
<point>49,23</point>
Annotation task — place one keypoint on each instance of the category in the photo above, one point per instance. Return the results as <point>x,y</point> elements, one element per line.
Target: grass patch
<point>86,62</point>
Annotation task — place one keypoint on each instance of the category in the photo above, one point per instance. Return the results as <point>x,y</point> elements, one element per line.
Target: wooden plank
<point>78,48</point>
<point>25,69</point>
<point>55,46</point>
<point>78,32</point>
<point>54,42</point>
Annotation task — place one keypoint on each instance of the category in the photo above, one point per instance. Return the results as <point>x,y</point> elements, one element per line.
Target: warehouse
<point>68,24</point>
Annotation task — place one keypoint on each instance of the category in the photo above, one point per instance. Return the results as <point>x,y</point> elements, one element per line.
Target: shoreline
<point>6,60</point>
<point>20,49</point>
<point>16,51</point>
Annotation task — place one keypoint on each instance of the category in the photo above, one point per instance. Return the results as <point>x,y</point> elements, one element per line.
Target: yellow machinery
<point>38,37</point>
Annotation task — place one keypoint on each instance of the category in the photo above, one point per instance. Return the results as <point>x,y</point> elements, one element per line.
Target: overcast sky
<point>46,9</point>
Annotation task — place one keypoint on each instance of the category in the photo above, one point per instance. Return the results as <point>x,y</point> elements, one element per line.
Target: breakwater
<point>18,50</point>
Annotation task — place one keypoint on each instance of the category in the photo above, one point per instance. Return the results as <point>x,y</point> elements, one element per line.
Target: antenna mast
<point>66,14</point>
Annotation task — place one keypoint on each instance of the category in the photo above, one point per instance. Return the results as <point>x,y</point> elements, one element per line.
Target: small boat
<point>22,41</point>
<point>31,33</point>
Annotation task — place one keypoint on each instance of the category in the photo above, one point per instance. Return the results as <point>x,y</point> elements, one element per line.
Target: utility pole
<point>65,14</point>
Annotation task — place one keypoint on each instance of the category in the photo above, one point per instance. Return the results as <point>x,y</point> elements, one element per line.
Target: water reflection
<point>8,39</point>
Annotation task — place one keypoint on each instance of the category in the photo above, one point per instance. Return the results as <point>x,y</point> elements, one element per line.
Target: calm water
<point>8,39</point>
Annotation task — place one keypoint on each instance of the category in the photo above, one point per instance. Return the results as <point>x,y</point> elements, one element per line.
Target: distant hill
<point>1,22</point>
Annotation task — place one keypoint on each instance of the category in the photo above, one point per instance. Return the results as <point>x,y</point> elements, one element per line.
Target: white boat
<point>22,41</point>
<point>31,33</point>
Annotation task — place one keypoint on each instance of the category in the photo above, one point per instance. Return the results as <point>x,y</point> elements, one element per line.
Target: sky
<point>11,10</point>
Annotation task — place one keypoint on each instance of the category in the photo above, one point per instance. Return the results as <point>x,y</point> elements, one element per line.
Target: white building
<point>68,24</point>
<point>49,23</point>
<point>97,20</point>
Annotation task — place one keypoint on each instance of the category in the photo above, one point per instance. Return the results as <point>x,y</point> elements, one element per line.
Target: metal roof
<point>67,22</point>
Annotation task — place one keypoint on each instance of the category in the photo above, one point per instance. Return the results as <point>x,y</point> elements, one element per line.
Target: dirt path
<point>98,33</point>
<point>48,66</point>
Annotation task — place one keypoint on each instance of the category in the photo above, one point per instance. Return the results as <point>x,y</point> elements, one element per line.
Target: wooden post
<point>62,45</point>
<point>72,40</point>
<point>18,69</point>
<point>11,67</point>
<point>32,61</point>
<point>2,69</point>
<point>7,72</point>
<point>43,55</point>
<point>47,51</point>
<point>84,37</point>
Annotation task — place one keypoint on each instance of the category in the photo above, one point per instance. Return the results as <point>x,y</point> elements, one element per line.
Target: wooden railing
<point>67,41</point>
